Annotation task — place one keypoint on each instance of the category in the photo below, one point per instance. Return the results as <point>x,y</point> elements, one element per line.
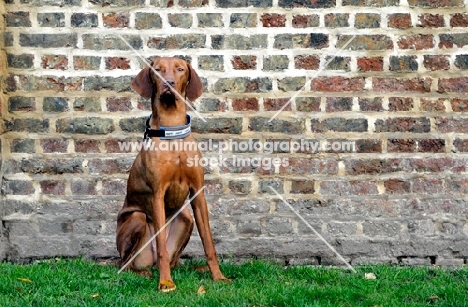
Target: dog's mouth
<point>167,96</point>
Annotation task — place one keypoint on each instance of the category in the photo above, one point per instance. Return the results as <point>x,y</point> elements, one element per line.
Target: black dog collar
<point>168,133</point>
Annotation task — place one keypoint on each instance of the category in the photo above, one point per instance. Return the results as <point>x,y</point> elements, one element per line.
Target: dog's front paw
<point>166,286</point>
<point>223,279</point>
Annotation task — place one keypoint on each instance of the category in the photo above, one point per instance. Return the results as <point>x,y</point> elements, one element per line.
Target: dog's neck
<point>167,114</point>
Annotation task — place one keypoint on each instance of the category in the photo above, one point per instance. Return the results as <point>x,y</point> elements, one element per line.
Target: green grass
<point>256,283</point>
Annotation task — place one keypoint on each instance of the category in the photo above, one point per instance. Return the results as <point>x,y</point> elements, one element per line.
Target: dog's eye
<point>180,69</point>
<point>157,69</point>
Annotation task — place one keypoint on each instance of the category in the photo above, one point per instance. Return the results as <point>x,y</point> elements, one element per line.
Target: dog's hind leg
<point>179,234</point>
<point>133,232</point>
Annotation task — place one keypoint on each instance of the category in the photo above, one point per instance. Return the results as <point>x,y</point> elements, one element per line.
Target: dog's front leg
<point>165,280</point>
<point>200,211</point>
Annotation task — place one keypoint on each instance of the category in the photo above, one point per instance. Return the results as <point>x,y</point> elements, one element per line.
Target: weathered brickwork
<point>370,144</point>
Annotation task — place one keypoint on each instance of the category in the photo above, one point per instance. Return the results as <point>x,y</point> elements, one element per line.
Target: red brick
<point>52,187</point>
<point>387,85</point>
<point>431,21</point>
<point>244,62</point>
<point>238,167</point>
<point>273,20</point>
<point>369,146</point>
<point>432,105</point>
<point>373,166</point>
<point>114,187</point>
<point>59,62</point>
<point>338,146</point>
<point>397,186</point>
<point>116,20</point>
<point>270,104</point>
<point>459,20</point>
<point>461,145</point>
<point>104,166</point>
<point>300,166</point>
<point>335,188</point>
<point>400,145</point>
<point>396,104</point>
<point>438,165</point>
<point>305,21</point>
<point>87,146</point>
<point>459,105</point>
<point>399,21</point>
<point>428,186</point>
<point>437,62</point>
<point>115,104</point>
<point>417,42</point>
<point>145,104</point>
<point>302,187</point>
<point>364,188</point>
<point>457,85</point>
<point>337,84</point>
<point>44,83</point>
<point>245,104</point>
<point>54,145</point>
<point>445,125</point>
<point>112,145</point>
<point>431,145</point>
<point>117,63</point>
<point>214,187</point>
<point>370,64</point>
<point>309,62</point>
<point>83,187</point>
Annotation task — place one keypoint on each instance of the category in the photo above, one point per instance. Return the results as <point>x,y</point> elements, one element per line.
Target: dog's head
<point>167,76</point>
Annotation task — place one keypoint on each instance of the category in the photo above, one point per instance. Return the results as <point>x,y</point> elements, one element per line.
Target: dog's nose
<point>169,83</point>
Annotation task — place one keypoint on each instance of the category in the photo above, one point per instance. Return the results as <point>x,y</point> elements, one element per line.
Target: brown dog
<point>160,180</point>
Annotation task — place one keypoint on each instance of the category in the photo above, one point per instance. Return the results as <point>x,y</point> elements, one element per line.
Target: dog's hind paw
<point>144,273</point>
<point>166,286</point>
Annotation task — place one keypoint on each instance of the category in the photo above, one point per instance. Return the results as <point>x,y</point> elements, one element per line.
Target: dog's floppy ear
<point>195,87</point>
<point>142,83</point>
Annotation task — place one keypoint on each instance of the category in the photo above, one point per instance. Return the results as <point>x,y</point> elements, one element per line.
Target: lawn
<point>78,282</point>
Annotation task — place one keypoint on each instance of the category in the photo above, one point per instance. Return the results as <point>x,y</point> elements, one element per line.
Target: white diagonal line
<point>159,75</point>
<point>187,202</point>
<point>307,84</point>
<point>315,231</point>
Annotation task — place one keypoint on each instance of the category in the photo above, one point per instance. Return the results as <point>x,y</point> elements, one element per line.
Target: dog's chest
<point>176,195</point>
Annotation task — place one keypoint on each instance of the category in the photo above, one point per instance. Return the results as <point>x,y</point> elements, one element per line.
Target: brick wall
<point>397,92</point>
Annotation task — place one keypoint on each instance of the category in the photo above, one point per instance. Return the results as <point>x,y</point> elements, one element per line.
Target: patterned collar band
<point>168,133</point>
